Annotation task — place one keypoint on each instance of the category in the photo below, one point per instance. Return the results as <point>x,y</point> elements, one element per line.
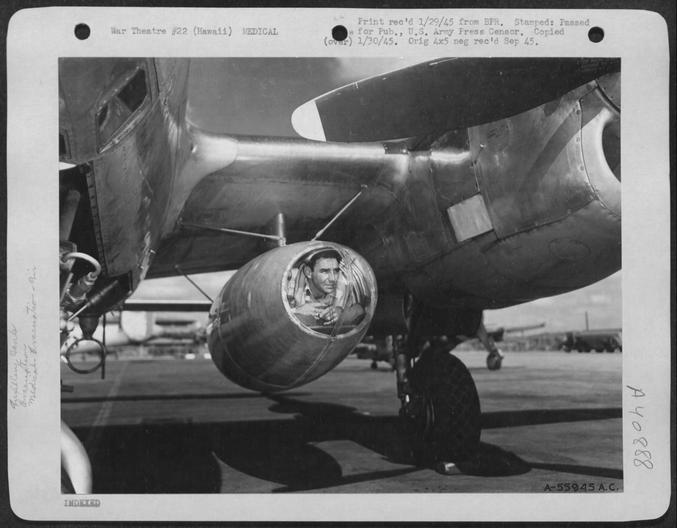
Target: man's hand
<point>330,315</point>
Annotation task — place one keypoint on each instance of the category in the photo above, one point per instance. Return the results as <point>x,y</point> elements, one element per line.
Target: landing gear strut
<point>495,357</point>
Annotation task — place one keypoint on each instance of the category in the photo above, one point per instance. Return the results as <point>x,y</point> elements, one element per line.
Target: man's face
<point>325,275</point>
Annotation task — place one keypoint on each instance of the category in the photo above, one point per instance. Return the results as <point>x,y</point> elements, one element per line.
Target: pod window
<point>327,291</point>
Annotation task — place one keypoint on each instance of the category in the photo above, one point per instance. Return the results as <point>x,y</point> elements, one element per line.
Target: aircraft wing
<point>253,183</point>
<point>524,328</point>
<point>433,97</point>
<point>246,183</point>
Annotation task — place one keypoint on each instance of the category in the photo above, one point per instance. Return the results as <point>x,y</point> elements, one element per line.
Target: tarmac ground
<point>551,421</point>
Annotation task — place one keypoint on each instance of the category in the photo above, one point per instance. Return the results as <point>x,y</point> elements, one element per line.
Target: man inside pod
<point>322,294</point>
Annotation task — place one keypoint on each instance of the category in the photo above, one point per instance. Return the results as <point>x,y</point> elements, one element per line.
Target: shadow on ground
<point>170,457</point>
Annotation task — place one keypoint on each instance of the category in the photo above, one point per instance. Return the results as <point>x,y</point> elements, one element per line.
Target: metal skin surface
<point>130,181</point>
<point>256,342</point>
<point>542,175</point>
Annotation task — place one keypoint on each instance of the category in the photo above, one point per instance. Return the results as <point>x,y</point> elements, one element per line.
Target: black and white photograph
<point>353,275</point>
<point>370,213</point>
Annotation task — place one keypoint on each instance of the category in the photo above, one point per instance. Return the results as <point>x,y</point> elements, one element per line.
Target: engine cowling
<point>265,332</point>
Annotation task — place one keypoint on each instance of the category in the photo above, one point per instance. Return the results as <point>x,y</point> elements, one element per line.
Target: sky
<point>239,96</point>
<point>242,96</point>
<point>602,301</point>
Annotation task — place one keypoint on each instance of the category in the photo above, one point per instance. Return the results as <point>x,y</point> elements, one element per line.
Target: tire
<point>494,362</point>
<point>449,394</point>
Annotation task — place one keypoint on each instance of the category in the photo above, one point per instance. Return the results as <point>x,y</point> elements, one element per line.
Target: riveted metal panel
<point>530,166</point>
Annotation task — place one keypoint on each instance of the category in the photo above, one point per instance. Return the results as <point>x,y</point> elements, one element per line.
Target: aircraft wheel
<point>373,365</point>
<point>494,361</point>
<point>444,412</point>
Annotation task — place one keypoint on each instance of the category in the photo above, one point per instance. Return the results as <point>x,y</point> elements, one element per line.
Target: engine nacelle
<point>266,329</point>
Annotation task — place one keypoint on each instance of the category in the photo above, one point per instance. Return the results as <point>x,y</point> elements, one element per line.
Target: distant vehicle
<point>132,327</point>
<point>383,350</point>
<point>498,333</point>
<point>379,350</point>
<point>608,340</point>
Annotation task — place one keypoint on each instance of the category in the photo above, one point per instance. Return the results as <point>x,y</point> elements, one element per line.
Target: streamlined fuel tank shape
<point>261,339</point>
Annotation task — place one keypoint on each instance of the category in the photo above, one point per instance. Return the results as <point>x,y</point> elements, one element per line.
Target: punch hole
<point>82,31</point>
<point>339,33</point>
<point>596,34</point>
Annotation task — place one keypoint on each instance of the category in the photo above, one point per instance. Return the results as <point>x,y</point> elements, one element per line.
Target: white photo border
<point>36,40</point>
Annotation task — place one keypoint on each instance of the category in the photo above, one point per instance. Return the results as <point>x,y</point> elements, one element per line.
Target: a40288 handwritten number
<point>642,457</point>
